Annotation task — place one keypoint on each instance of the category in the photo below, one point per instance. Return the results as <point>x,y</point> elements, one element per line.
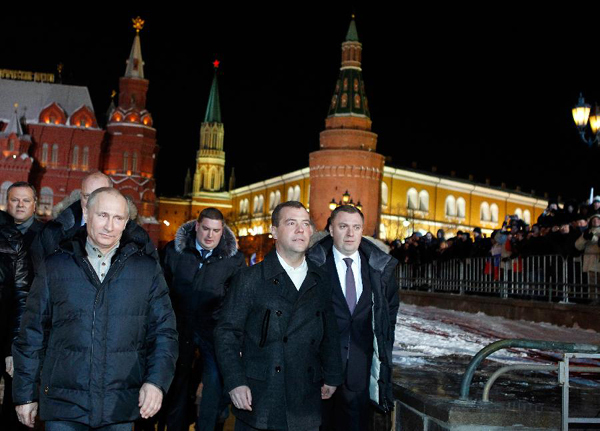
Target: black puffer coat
<point>15,279</point>
<point>90,345</point>
<point>198,293</point>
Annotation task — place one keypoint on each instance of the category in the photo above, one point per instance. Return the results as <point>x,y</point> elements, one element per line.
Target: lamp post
<point>581,116</point>
<point>346,200</point>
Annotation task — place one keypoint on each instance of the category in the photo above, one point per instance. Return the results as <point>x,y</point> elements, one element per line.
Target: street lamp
<point>581,116</point>
<point>346,200</point>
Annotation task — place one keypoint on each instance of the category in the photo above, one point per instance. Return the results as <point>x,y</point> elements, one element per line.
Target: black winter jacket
<point>385,309</point>
<point>90,345</point>
<point>198,293</point>
<point>15,280</point>
<point>288,342</point>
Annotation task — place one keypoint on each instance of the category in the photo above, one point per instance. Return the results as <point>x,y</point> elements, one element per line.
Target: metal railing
<point>552,278</point>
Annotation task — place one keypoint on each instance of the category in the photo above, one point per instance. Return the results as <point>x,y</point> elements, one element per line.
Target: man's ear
<point>85,214</point>
<point>274,232</point>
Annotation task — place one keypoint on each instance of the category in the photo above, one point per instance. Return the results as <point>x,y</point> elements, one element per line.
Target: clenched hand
<point>27,413</point>
<point>327,391</point>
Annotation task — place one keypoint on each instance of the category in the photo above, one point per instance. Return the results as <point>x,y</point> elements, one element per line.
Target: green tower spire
<point>352,35</point>
<point>213,110</point>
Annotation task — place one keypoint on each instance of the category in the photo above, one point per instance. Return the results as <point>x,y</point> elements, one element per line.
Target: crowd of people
<point>98,330</point>
<point>570,231</point>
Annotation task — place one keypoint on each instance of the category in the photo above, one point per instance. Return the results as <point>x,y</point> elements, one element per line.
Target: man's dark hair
<point>346,209</point>
<point>275,217</point>
<point>22,184</point>
<point>211,213</point>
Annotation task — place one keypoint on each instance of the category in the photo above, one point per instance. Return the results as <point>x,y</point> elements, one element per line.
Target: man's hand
<point>150,400</point>
<point>327,391</point>
<point>27,413</point>
<point>241,398</point>
<point>10,366</point>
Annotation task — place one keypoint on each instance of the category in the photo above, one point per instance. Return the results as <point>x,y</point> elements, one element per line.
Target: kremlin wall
<point>49,136</point>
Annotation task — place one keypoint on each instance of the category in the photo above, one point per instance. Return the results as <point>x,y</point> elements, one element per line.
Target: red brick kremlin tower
<point>346,160</point>
<point>131,150</point>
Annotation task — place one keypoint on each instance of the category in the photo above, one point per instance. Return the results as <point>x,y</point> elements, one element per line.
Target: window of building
<point>423,201</point>
<point>54,159</point>
<point>450,206</point>
<point>271,201</point>
<point>46,201</point>
<point>134,162</point>
<point>519,213</point>
<point>494,213</point>
<point>384,194</point>
<point>75,157</point>
<point>461,207</point>
<point>44,154</point>
<point>412,199</point>
<point>527,216</point>
<point>125,161</point>
<point>297,193</point>
<point>290,194</point>
<point>484,212</point>
<point>85,160</point>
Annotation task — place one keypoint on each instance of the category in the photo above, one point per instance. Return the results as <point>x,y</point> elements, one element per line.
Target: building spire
<point>14,125</point>
<point>135,64</point>
<point>213,110</point>
<point>349,98</point>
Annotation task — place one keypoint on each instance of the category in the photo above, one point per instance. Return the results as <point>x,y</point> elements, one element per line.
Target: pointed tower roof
<point>14,125</point>
<point>352,35</point>
<point>135,64</point>
<point>213,110</point>
<point>349,97</point>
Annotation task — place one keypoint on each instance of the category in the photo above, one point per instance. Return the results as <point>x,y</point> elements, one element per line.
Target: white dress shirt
<point>296,274</point>
<point>341,267</point>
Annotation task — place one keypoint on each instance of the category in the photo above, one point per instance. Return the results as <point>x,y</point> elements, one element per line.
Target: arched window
<point>125,161</point>
<point>3,193</point>
<point>297,193</point>
<point>261,203</point>
<point>85,161</point>
<point>412,199</point>
<point>255,205</point>
<point>44,154</point>
<point>382,231</point>
<point>222,181</point>
<point>75,157</point>
<point>212,179</point>
<point>242,206</point>
<point>46,201</point>
<point>519,213</point>
<point>423,201</point>
<point>384,194</point>
<point>54,159</point>
<point>11,145</point>
<point>271,201</point>
<point>277,198</point>
<point>203,179</point>
<point>484,212</point>
<point>494,213</point>
<point>290,194</point>
<point>527,216</point>
<point>134,162</point>
<point>461,207</point>
<point>450,206</point>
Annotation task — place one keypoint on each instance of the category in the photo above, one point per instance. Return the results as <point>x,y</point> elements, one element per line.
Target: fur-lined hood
<point>186,238</point>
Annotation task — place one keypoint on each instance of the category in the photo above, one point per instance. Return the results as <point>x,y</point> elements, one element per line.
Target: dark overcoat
<point>288,342</point>
<point>90,345</point>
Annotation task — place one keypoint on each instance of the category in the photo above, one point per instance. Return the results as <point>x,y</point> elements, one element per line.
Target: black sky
<point>481,92</point>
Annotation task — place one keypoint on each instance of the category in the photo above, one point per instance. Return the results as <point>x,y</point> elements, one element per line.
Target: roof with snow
<point>33,97</point>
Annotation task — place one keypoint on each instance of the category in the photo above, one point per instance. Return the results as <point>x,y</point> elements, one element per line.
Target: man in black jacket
<point>21,203</point>
<point>100,320</point>
<point>276,341</point>
<point>199,265</point>
<point>365,300</point>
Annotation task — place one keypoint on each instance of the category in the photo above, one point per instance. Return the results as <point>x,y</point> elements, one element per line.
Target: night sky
<point>480,92</point>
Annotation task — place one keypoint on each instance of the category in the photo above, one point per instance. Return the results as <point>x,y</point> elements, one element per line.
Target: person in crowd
<point>15,280</point>
<point>277,341</point>
<point>98,345</point>
<point>364,290</point>
<point>21,204</point>
<point>199,266</point>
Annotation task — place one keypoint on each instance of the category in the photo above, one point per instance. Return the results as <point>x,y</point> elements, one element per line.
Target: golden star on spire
<point>138,24</point>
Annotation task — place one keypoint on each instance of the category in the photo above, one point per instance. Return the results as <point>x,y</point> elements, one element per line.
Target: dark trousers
<point>243,426</point>
<point>75,426</point>
<point>346,410</point>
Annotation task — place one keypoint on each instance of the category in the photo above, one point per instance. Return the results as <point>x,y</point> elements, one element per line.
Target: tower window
<point>344,100</point>
<point>54,154</point>
<point>75,157</point>
<point>345,84</point>
<point>125,161</point>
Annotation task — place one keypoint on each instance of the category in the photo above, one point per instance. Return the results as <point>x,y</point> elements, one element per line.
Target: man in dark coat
<point>100,320</point>
<point>278,315</point>
<point>199,265</point>
<point>365,300</point>
<point>15,279</point>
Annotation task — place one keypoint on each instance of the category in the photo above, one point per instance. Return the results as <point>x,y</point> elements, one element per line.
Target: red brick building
<point>49,136</point>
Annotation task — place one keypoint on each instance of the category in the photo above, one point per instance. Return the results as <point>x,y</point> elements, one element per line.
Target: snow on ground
<point>424,333</point>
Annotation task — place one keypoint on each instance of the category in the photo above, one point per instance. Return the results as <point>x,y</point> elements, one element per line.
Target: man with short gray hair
<point>100,319</point>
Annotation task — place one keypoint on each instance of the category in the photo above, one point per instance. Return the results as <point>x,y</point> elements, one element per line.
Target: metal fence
<point>551,278</point>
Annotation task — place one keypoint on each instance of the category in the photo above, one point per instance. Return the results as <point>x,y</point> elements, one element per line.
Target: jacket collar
<point>71,216</point>
<point>376,258</point>
<point>130,243</point>
<point>185,238</point>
